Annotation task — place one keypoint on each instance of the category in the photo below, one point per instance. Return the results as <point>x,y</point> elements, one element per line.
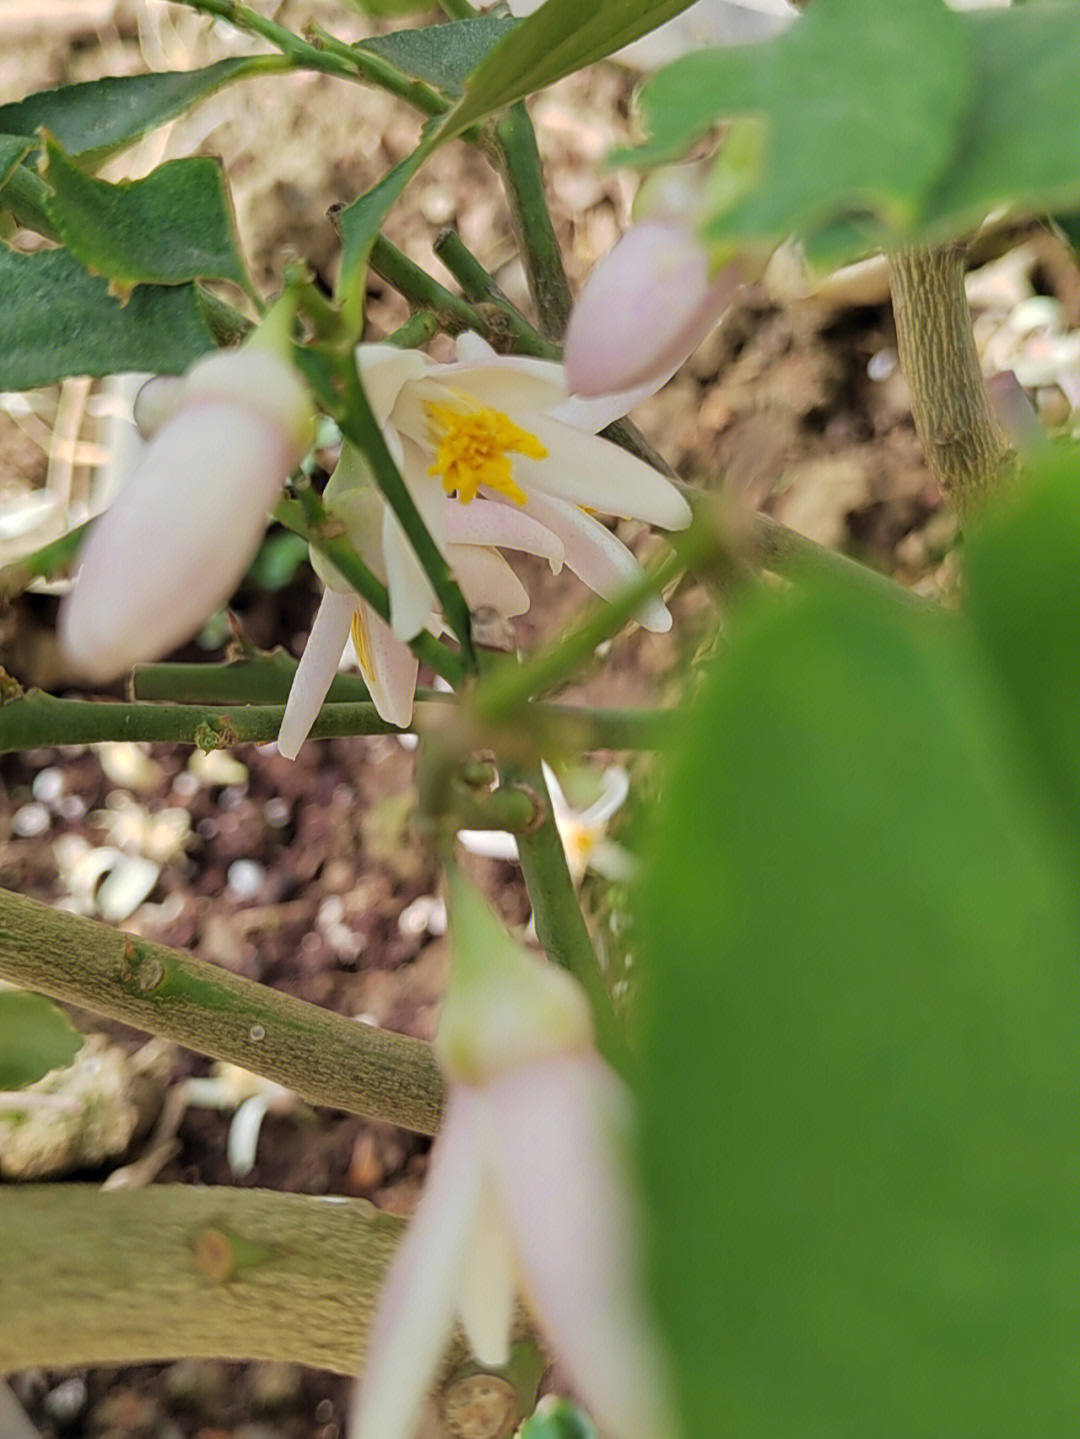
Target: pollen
<point>474,448</point>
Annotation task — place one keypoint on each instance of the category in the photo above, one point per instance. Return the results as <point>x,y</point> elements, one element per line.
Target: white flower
<point>529,1189</point>
<point>583,831</point>
<point>495,455</point>
<point>176,541</point>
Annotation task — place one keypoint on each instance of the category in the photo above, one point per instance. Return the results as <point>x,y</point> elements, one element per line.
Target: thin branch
<point>321,1056</point>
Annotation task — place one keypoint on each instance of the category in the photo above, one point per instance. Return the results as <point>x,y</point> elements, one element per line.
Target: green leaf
<point>97,117</point>
<point>861,1114</point>
<point>12,150</point>
<point>563,35</point>
<point>561,1420</point>
<point>35,1037</point>
<point>56,320</point>
<point>1021,140</point>
<point>442,55</point>
<point>848,122</point>
<point>1023,600</point>
<point>173,226</point>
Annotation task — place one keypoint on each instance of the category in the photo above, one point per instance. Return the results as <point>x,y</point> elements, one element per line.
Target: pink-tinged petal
<point>490,843</point>
<point>567,1189</point>
<point>416,1308</point>
<point>389,667</point>
<point>589,471</point>
<point>644,309</point>
<point>316,670</point>
<point>594,415</point>
<point>487,581</point>
<point>598,558</point>
<point>260,379</point>
<point>178,539</point>
<point>483,522</point>
<point>489,1285</point>
<point>156,402</point>
<point>383,371</point>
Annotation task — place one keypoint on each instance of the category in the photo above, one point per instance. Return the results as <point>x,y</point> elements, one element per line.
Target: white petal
<point>177,540</point>
<point>487,581</point>
<point>595,414</point>
<point>615,786</point>
<point>412,598</point>
<point>483,522</point>
<point>244,1133</point>
<point>489,1285</point>
<point>490,843</point>
<point>511,385</point>
<point>415,1311</point>
<point>589,471</point>
<point>473,347</point>
<point>597,557</point>
<point>391,669</point>
<point>316,670</point>
<point>568,1198</point>
<point>383,370</point>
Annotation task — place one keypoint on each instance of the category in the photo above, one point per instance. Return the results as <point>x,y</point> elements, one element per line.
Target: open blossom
<point>529,1191</point>
<point>176,541</point>
<point>583,831</point>
<point>495,455</point>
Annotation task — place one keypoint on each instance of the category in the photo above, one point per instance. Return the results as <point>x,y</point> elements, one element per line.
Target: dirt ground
<point>306,876</point>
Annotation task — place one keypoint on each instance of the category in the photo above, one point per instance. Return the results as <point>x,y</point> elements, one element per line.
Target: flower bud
<point>177,540</point>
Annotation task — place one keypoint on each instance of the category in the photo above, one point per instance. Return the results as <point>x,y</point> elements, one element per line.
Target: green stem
<point>299,50</point>
<point>560,924</point>
<point>518,161</point>
<point>421,327</point>
<point>358,424</point>
<point>419,288</point>
<point>174,1271</point>
<point>23,195</point>
<point>457,9</point>
<point>378,71</point>
<point>266,679</point>
<point>504,325</point>
<point>320,1056</point>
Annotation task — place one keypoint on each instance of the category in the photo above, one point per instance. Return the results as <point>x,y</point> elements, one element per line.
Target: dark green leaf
<point>849,123</point>
<point>861,1117</point>
<point>563,35</point>
<point>443,55</point>
<point>172,226</point>
<point>1021,141</point>
<point>12,150</point>
<point>57,320</point>
<point>35,1037</point>
<point>96,117</point>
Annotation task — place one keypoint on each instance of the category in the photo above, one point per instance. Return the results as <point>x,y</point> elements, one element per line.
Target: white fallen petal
<point>244,1130</point>
<point>316,670</point>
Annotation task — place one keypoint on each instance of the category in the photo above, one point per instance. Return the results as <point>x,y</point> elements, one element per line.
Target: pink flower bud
<point>181,533</point>
<point>646,306</point>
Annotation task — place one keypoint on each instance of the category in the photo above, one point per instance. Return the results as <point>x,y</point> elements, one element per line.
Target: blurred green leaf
<point>56,320</point>
<point>443,55</point>
<point>563,35</point>
<point>560,1420</point>
<point>861,1117</point>
<point>174,225</point>
<point>97,117</point>
<point>35,1037</point>
<point>280,555</point>
<point>849,122</point>
<point>12,150</point>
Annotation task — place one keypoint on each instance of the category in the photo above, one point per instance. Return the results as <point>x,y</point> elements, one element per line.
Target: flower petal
<point>389,668</point>
<point>316,670</point>
<point>383,370</point>
<point>487,581</point>
<point>490,843</point>
<point>598,558</point>
<point>178,538</point>
<point>483,522</point>
<point>415,1311</point>
<point>589,471</point>
<point>561,1125</point>
<point>489,1285</point>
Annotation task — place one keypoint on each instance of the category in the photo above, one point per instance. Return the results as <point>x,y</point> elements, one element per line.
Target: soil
<point>307,876</point>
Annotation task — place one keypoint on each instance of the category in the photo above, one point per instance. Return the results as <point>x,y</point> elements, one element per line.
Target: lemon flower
<point>529,1189</point>
<point>495,455</point>
<point>176,541</point>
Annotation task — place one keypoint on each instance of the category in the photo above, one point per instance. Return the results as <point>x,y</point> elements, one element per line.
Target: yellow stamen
<point>473,447</point>
<point>361,644</point>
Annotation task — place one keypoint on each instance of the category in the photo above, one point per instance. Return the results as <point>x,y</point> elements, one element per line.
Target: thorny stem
<point>965,446</point>
<point>517,159</point>
<point>511,329</point>
<point>320,1056</point>
<point>377,71</point>
<point>421,289</point>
